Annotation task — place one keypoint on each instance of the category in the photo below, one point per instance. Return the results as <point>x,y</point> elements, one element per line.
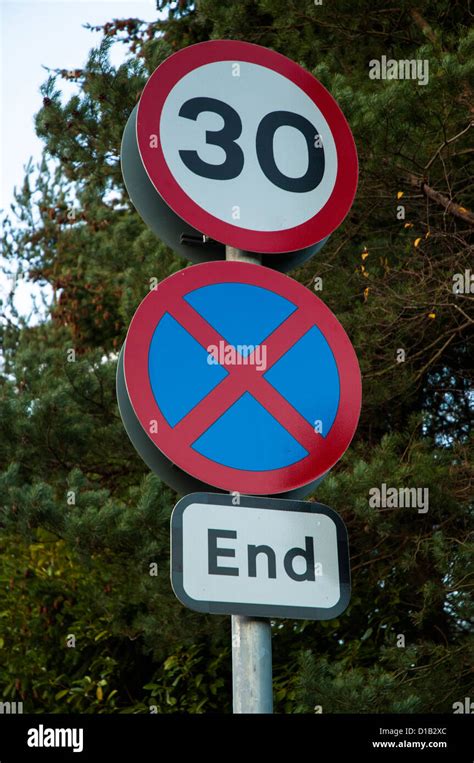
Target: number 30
<point>233,164</point>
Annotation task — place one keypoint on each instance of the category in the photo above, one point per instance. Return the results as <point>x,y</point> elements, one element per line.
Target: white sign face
<point>261,557</point>
<point>259,197</point>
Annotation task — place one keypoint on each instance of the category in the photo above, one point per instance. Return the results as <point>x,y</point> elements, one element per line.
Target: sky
<point>35,34</point>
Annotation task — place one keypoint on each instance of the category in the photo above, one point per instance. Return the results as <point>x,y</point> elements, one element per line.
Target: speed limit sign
<point>247,147</point>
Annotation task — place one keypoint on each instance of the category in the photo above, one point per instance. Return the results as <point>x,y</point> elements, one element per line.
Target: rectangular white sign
<point>259,557</point>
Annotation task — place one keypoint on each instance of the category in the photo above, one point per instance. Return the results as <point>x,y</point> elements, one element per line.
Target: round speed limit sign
<point>247,147</point>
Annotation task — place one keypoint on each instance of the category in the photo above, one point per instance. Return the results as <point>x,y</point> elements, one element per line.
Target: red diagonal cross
<point>244,378</point>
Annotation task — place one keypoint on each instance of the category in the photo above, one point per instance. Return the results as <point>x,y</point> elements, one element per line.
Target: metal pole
<point>251,665</point>
<point>251,637</point>
<point>237,254</point>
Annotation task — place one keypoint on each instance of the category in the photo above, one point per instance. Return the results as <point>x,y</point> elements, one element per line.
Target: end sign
<point>261,557</point>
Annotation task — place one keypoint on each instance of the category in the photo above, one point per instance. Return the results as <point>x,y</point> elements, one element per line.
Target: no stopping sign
<point>247,147</point>
<point>242,378</point>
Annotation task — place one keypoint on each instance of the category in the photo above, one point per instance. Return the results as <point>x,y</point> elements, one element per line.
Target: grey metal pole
<point>251,637</point>
<point>237,254</point>
<point>251,665</point>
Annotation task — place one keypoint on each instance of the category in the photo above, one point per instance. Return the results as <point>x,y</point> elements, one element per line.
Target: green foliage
<point>191,681</point>
<point>421,678</point>
<point>47,602</point>
<point>83,523</point>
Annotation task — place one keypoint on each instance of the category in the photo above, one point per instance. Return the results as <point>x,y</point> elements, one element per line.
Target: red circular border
<point>153,97</point>
<point>137,345</point>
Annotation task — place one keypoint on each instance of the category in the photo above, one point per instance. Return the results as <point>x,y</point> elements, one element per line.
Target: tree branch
<point>450,206</point>
<point>423,25</point>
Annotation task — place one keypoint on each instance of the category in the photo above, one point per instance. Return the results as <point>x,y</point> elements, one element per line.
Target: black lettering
<point>308,555</point>
<point>265,137</point>
<point>233,164</point>
<point>214,552</point>
<point>253,552</point>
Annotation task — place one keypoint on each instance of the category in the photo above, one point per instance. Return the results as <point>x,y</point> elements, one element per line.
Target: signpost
<point>233,375</point>
<point>252,671</point>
